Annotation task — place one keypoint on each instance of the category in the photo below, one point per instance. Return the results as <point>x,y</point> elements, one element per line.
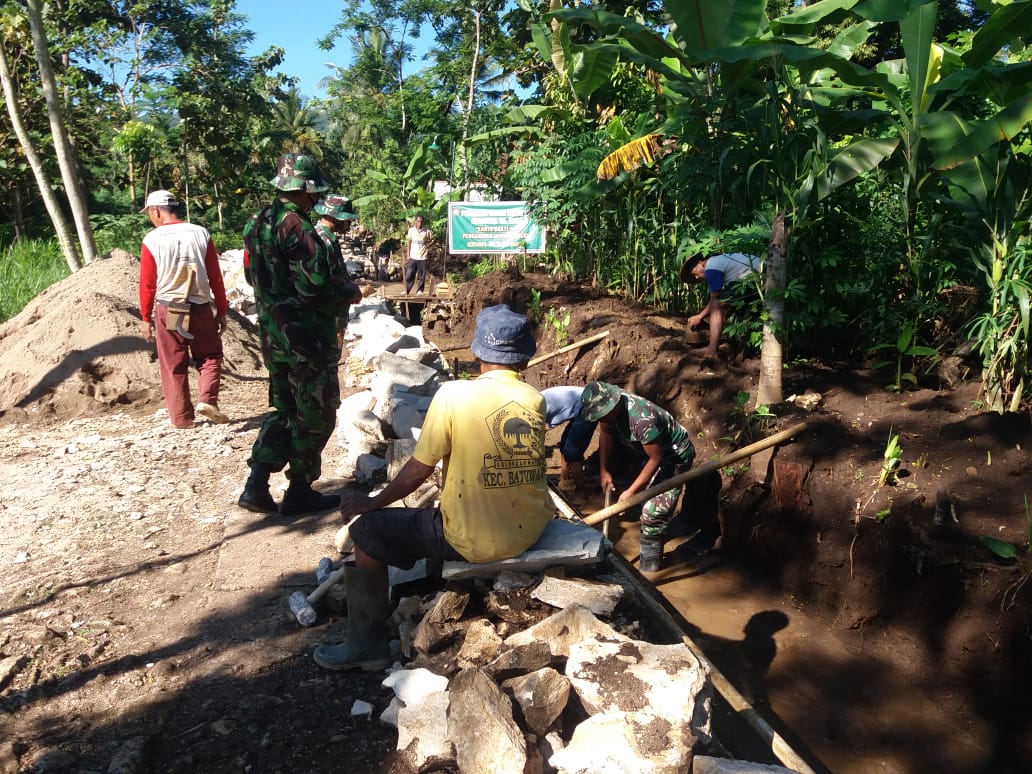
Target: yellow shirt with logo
<point>490,432</point>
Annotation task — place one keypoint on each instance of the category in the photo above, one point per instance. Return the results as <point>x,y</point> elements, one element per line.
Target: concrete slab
<point>562,543</point>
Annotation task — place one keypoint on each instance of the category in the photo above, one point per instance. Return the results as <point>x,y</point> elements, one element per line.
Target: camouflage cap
<point>298,172</point>
<point>336,206</point>
<point>598,399</point>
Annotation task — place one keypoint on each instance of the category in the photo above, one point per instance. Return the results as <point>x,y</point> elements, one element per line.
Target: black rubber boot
<point>301,499</point>
<point>367,646</point>
<point>256,497</point>
<point>651,548</point>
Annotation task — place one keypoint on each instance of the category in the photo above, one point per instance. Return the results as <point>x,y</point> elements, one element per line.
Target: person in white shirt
<point>416,252</point>
<point>183,309</point>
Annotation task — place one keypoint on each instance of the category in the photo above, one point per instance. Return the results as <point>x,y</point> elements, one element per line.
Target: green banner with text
<point>493,227</point>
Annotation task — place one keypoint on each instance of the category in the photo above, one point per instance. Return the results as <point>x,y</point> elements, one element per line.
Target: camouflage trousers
<point>304,398</point>
<point>657,513</point>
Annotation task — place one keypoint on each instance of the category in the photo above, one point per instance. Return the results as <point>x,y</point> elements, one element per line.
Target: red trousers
<point>174,352</point>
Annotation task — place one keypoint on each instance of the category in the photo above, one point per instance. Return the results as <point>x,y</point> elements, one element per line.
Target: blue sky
<point>295,26</point>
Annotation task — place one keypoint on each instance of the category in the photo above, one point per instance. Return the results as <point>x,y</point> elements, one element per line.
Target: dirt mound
<point>76,348</point>
<point>646,351</point>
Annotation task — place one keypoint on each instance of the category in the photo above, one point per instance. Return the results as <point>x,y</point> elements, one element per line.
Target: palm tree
<point>296,123</point>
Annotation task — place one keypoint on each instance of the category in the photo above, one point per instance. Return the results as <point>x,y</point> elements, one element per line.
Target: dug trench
<point>145,624</point>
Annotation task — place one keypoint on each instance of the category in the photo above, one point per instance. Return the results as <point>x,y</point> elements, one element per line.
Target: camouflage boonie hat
<point>298,172</point>
<point>598,399</point>
<point>337,207</point>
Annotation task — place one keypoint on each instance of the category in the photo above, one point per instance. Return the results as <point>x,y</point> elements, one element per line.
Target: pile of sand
<point>76,349</point>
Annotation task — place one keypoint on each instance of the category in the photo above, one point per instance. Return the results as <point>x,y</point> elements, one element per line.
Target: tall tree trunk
<point>19,214</point>
<point>132,178</point>
<point>66,157</point>
<point>46,190</point>
<point>771,355</point>
<point>477,14</point>
<point>218,204</point>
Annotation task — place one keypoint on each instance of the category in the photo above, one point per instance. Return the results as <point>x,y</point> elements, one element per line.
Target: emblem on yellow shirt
<point>519,440</point>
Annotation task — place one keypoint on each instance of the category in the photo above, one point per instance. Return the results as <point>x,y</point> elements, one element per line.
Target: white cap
<point>160,198</point>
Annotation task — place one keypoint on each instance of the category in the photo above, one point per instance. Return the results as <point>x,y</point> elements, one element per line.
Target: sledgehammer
<point>303,607</point>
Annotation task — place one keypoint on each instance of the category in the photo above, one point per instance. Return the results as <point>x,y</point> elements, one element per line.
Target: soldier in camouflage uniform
<point>300,291</point>
<point>642,428</point>
<point>336,214</point>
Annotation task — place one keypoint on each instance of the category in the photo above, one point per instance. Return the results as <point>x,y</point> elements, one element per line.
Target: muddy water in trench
<point>840,710</point>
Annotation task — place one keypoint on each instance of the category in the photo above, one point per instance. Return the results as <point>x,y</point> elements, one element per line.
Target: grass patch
<point>27,268</point>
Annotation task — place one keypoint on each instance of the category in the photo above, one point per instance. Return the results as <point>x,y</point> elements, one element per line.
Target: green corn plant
<point>1002,332</point>
<point>904,347</point>
<point>891,458</point>
<point>534,307</point>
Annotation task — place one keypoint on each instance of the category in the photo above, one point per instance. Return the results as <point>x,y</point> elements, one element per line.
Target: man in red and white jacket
<point>180,281</point>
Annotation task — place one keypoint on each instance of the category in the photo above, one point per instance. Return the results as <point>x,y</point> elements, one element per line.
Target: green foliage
<point>27,268</point>
<point>534,311</point>
<point>751,425</point>
<point>891,458</point>
<point>558,322</point>
<point>1002,331</point>
<point>994,193</point>
<point>483,267</point>
<point>124,232</point>
<point>1006,550</point>
<point>884,513</point>
<point>226,239</point>
<point>904,347</point>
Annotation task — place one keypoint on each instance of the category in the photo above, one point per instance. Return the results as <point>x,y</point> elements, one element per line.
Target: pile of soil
<point>118,532</point>
<point>76,348</point>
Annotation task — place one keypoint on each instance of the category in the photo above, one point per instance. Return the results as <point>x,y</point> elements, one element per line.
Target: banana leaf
<point>852,161</point>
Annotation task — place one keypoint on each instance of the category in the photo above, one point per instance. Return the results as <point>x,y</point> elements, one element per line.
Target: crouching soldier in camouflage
<point>335,218</point>
<point>639,431</point>
<point>299,291</point>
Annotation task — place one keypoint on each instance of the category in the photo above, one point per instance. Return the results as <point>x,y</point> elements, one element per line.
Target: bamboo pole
<point>702,470</point>
<point>568,347</point>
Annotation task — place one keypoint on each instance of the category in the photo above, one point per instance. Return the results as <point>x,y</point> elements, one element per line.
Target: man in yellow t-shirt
<point>489,434</point>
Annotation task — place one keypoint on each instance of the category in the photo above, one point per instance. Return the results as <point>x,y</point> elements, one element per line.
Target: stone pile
<point>484,692</point>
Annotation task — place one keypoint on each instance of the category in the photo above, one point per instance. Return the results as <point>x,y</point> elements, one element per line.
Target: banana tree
<point>994,191</point>
<point>404,194</point>
<point>983,163</point>
<point>730,47</point>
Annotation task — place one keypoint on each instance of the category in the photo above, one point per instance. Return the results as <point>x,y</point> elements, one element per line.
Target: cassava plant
<point>904,347</point>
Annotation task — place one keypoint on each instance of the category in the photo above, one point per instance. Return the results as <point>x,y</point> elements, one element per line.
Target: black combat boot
<point>301,499</point>
<point>256,497</point>
<point>651,547</point>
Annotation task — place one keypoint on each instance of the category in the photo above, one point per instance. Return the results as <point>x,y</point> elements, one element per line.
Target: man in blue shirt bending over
<point>730,280</point>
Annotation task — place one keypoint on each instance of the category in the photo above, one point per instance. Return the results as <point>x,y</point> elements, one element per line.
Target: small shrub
<point>126,232</point>
<point>558,320</point>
